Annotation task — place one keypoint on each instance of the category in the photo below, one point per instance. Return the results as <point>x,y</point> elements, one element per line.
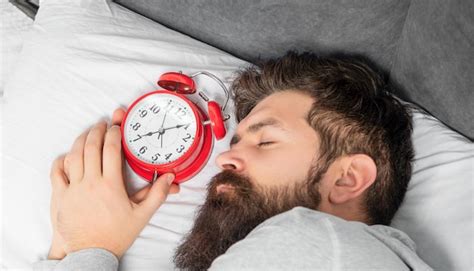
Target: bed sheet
<point>84,58</point>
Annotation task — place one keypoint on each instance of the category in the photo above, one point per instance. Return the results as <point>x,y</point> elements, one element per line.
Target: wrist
<point>90,259</point>
<point>84,246</point>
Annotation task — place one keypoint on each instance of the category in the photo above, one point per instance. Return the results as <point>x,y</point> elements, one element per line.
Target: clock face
<point>160,128</point>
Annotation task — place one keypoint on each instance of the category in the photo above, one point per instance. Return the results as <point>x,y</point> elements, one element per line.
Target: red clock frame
<point>189,163</point>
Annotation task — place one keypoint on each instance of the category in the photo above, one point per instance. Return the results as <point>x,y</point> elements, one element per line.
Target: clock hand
<point>161,130</point>
<point>139,137</point>
<point>164,118</point>
<point>147,134</point>
<point>150,133</point>
<point>161,134</point>
<point>177,126</point>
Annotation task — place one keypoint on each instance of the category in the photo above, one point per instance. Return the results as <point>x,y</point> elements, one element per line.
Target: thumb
<point>156,195</point>
<point>141,194</point>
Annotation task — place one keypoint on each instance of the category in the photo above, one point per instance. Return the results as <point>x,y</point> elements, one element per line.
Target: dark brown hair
<point>353,112</point>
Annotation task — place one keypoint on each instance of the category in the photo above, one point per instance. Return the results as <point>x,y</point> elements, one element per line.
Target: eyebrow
<point>254,128</point>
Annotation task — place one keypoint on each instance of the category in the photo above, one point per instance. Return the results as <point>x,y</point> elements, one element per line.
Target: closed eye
<point>261,144</point>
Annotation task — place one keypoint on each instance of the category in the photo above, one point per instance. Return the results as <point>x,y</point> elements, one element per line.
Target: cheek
<point>280,166</point>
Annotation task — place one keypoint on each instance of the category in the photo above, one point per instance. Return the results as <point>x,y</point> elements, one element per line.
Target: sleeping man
<point>317,168</point>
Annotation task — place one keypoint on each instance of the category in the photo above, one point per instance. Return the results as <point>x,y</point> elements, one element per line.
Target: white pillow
<point>85,58</point>
<point>15,24</point>
<point>437,212</point>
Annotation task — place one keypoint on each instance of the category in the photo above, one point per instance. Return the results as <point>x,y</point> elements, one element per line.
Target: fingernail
<point>170,178</point>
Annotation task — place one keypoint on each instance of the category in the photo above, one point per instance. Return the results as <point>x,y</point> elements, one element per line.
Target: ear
<point>358,174</point>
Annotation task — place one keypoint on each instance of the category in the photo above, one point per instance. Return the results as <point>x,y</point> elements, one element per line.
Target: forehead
<point>289,107</point>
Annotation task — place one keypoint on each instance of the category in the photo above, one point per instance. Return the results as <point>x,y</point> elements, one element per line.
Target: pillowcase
<point>437,210</point>
<point>85,58</point>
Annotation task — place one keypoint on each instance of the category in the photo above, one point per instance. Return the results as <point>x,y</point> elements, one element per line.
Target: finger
<point>155,196</point>
<point>74,160</point>
<point>118,116</point>
<point>124,169</point>
<point>59,181</point>
<point>112,157</point>
<point>93,151</point>
<point>174,189</point>
<point>142,193</point>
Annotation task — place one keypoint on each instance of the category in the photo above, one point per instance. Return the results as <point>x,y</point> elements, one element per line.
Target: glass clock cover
<point>160,129</point>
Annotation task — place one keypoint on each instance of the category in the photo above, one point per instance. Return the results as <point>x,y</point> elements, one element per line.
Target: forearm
<point>86,259</point>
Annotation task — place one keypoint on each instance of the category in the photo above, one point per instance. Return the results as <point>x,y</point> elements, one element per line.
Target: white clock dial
<point>160,129</point>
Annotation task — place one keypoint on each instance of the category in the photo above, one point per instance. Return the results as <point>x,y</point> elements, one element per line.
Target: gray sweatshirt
<point>300,239</point>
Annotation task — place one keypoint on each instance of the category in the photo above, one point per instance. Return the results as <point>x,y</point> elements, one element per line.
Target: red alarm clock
<point>164,131</point>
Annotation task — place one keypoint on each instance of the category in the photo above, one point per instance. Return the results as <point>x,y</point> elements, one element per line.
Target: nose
<point>230,160</point>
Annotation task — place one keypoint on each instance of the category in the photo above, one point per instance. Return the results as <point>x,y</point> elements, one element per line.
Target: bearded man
<point>317,168</point>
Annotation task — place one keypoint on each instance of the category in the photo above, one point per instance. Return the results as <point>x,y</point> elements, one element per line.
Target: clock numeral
<point>180,113</point>
<point>138,137</point>
<point>155,157</point>
<point>169,106</point>
<point>143,149</point>
<point>143,113</point>
<point>167,156</point>
<point>136,126</point>
<point>180,149</point>
<point>188,136</point>
<point>187,126</point>
<point>155,109</point>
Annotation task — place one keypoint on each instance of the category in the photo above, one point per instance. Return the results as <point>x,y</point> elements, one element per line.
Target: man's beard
<point>227,217</point>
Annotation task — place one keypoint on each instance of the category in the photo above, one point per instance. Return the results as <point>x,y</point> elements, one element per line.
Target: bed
<point>83,58</point>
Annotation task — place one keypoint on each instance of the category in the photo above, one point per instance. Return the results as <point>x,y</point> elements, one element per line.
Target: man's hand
<point>93,207</point>
<point>57,247</point>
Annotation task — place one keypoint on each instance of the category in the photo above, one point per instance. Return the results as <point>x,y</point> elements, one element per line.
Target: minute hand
<point>176,127</point>
<point>150,133</point>
<point>147,134</point>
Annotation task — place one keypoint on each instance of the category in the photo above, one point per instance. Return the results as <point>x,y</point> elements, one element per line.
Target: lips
<point>224,188</point>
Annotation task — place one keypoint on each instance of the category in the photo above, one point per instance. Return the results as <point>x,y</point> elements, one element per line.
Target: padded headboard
<point>426,47</point>
<point>253,29</point>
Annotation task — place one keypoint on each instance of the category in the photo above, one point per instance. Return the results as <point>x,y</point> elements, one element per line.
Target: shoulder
<point>275,239</point>
<point>303,238</point>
